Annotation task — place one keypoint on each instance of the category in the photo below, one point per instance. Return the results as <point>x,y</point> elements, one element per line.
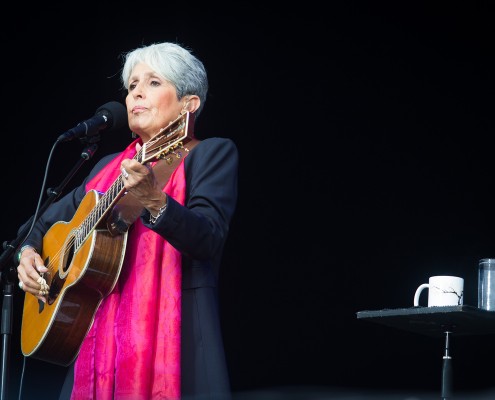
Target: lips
<point>138,109</point>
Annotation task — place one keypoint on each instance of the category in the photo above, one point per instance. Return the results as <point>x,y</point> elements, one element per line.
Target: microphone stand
<point>8,273</point>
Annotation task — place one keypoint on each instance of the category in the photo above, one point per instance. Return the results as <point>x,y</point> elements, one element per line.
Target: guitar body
<point>80,275</point>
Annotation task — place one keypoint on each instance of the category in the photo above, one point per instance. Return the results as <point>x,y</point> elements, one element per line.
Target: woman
<point>157,334</point>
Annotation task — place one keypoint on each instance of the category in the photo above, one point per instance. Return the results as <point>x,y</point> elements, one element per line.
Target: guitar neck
<point>167,143</point>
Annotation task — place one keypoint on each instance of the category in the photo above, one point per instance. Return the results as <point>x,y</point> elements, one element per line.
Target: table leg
<point>447,369</point>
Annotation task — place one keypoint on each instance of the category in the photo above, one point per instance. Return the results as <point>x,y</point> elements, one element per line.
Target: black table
<point>437,322</point>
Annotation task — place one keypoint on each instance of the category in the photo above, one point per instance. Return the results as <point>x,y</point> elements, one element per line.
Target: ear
<point>192,104</point>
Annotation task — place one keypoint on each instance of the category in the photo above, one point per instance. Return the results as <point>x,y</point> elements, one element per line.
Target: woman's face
<point>151,102</point>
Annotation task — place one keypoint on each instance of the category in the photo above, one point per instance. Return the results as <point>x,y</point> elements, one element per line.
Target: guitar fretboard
<point>164,143</point>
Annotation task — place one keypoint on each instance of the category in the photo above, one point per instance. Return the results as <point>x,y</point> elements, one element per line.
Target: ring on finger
<point>20,285</point>
<point>125,174</point>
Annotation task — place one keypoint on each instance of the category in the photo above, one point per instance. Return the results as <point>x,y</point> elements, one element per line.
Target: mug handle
<point>418,292</point>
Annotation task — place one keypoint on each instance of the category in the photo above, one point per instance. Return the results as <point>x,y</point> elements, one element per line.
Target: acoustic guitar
<point>84,256</point>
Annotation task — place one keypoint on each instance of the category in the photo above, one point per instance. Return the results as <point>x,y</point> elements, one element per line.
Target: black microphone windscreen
<point>116,114</point>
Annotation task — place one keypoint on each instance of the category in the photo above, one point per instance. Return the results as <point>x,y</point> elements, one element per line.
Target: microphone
<point>112,115</point>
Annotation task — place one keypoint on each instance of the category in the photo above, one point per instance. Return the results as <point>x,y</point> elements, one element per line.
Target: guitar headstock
<point>169,139</point>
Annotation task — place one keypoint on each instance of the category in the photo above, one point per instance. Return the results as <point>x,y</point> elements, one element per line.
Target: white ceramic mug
<point>442,291</point>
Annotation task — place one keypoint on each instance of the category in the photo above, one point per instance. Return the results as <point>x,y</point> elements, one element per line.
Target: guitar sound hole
<point>55,287</point>
<point>68,256</point>
<point>55,284</point>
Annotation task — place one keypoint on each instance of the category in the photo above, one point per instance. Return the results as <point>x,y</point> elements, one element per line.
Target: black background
<point>365,132</point>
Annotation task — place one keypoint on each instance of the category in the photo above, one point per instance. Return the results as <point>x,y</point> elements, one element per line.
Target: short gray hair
<point>173,62</point>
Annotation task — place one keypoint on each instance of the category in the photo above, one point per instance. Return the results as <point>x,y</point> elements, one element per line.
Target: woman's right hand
<point>30,273</point>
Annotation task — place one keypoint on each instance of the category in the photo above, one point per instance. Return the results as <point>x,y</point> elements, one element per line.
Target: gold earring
<point>184,109</point>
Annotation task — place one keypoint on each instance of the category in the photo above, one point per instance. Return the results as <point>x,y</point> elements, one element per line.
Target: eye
<point>155,83</point>
<point>132,86</point>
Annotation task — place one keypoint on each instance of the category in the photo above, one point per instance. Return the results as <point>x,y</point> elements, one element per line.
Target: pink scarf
<point>132,350</point>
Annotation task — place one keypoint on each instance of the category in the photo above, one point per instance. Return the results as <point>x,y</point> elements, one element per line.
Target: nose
<point>138,90</point>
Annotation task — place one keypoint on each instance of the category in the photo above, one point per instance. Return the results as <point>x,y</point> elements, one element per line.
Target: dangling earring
<point>186,106</point>
<point>184,109</point>
<point>133,135</point>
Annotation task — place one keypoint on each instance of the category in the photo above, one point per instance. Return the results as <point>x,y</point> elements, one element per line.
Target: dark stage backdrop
<point>365,132</point>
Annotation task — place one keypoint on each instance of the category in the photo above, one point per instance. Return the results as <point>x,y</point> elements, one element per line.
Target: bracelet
<point>160,212</point>
<point>19,253</point>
